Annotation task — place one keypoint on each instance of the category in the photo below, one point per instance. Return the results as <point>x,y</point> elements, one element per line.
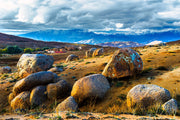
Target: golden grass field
<point>161,67</point>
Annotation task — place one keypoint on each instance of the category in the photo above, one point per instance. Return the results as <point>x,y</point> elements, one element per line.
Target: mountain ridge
<point>82,36</point>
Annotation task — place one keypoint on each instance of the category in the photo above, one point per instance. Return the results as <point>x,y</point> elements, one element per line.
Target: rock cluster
<point>34,90</point>
<point>93,52</point>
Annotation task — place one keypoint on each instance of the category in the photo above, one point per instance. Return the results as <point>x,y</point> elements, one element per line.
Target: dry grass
<point>114,102</point>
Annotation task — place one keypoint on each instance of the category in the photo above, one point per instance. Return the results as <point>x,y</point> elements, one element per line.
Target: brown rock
<point>33,80</point>
<point>125,62</point>
<point>98,52</point>
<point>92,86</point>
<point>32,63</point>
<point>38,96</point>
<point>145,95</point>
<point>21,101</point>
<point>11,97</point>
<point>69,104</point>
<point>58,90</point>
<point>72,58</point>
<point>89,53</point>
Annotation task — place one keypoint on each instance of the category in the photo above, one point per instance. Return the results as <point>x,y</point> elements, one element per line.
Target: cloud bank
<point>133,16</point>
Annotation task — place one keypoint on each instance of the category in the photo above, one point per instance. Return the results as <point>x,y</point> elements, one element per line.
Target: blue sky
<point>128,16</point>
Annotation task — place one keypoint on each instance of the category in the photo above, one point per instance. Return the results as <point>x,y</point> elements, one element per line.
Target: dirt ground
<point>161,67</point>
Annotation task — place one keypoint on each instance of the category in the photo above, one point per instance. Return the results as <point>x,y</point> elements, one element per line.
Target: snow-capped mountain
<point>121,44</point>
<point>89,37</point>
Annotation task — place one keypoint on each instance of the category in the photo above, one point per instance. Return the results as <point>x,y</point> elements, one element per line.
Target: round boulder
<point>89,53</point>
<point>98,52</point>
<point>69,104</point>
<point>125,62</point>
<point>170,107</point>
<point>5,69</point>
<point>21,102</point>
<point>32,63</point>
<point>38,96</point>
<point>56,69</point>
<point>33,80</point>
<point>92,86</point>
<point>72,58</point>
<point>58,90</point>
<point>146,95</point>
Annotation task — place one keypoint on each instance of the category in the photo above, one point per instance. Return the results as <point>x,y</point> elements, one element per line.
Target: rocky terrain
<point>107,83</point>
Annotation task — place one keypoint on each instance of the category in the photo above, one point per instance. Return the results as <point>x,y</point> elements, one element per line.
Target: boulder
<point>125,62</point>
<point>72,58</point>
<point>33,80</point>
<point>98,52</point>
<point>5,69</point>
<point>11,97</point>
<point>56,69</point>
<point>21,101</point>
<point>38,96</point>
<point>69,104</point>
<point>170,107</point>
<point>58,90</point>
<point>32,63</point>
<point>89,52</point>
<point>92,86</point>
<point>145,95</point>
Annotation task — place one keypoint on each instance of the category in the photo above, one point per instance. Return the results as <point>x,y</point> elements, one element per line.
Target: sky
<point>126,16</point>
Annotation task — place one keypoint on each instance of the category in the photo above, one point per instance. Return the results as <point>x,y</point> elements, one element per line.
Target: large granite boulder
<point>92,86</point>
<point>58,90</point>
<point>98,52</point>
<point>69,104</point>
<point>89,53</point>
<point>32,63</point>
<point>21,102</point>
<point>38,96</point>
<point>145,95</point>
<point>5,69</point>
<point>72,58</point>
<point>170,107</point>
<point>125,62</point>
<point>33,80</point>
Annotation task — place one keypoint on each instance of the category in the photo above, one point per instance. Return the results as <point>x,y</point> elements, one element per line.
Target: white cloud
<point>119,25</point>
<point>137,16</point>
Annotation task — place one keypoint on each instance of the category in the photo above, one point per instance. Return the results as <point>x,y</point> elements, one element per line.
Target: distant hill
<point>87,37</point>
<point>8,40</point>
<point>121,44</point>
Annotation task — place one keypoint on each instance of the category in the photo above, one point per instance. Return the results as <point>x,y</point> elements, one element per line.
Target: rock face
<point>32,63</point>
<point>21,102</point>
<point>89,52</point>
<point>147,94</point>
<point>33,80</point>
<point>56,69</point>
<point>69,104</point>
<point>72,58</point>
<point>38,96</point>
<point>58,90</point>
<point>5,69</point>
<point>170,107</point>
<point>92,86</point>
<point>98,52</point>
<point>125,62</point>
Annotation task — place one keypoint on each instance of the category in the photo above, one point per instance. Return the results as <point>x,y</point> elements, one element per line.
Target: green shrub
<point>28,50</point>
<point>13,49</point>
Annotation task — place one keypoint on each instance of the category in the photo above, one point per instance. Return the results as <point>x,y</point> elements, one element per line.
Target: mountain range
<point>89,37</point>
